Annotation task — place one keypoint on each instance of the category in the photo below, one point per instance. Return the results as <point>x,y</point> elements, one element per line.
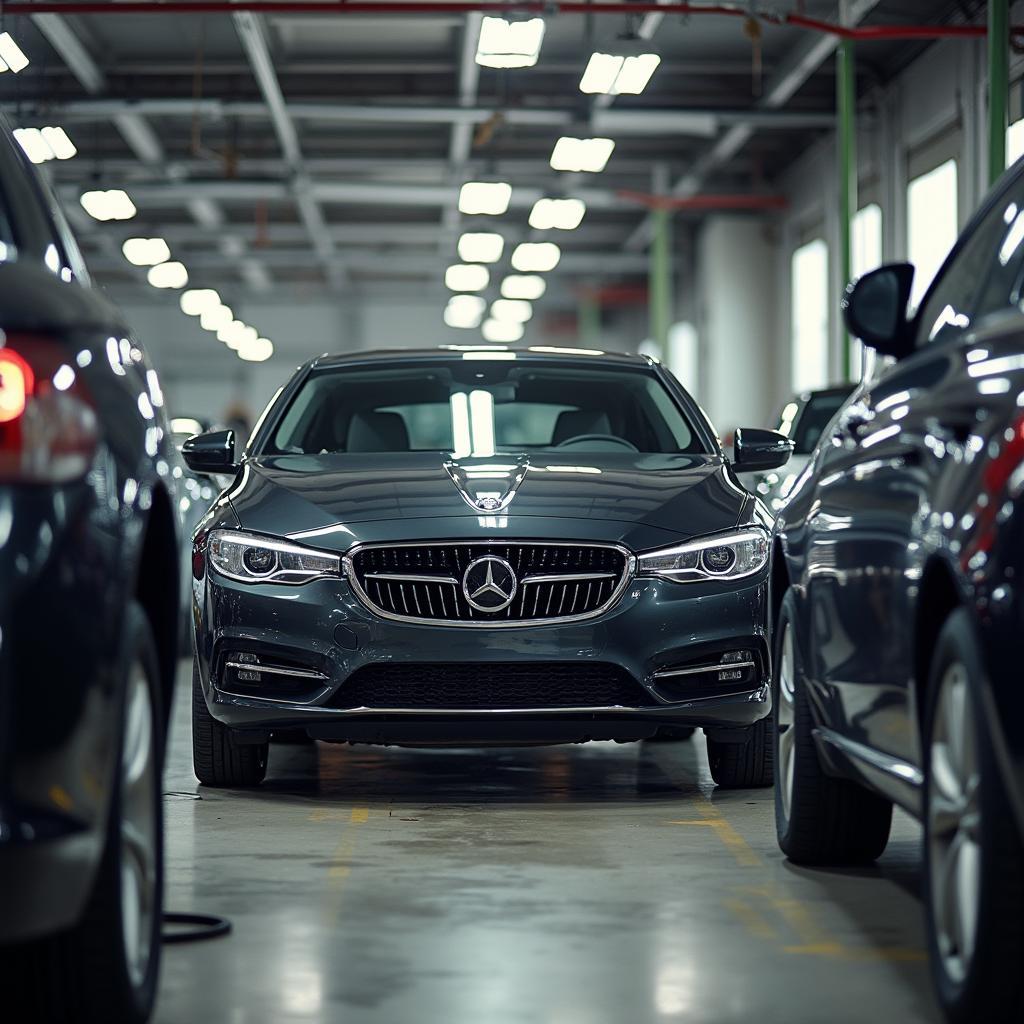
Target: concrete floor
<point>565,885</point>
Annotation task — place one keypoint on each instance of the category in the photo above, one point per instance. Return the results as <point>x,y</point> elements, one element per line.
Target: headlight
<point>251,559</point>
<point>727,556</point>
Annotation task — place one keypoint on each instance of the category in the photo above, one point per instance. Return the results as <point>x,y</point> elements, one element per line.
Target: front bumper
<point>323,634</point>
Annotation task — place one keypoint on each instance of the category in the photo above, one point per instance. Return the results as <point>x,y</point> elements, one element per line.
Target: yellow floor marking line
<point>341,859</point>
<point>752,919</point>
<point>741,850</point>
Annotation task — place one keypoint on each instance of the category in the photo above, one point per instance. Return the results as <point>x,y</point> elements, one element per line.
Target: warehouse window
<point>1015,142</point>
<point>682,354</point>
<point>865,255</point>
<point>931,224</point>
<point>810,316</point>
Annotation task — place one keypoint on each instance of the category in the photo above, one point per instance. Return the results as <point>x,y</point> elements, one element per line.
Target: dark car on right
<point>898,613</point>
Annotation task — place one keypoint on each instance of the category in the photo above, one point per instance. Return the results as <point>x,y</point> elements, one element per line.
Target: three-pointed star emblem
<point>489,584</point>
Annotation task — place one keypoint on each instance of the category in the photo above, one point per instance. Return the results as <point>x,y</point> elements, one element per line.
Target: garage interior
<point>306,161</point>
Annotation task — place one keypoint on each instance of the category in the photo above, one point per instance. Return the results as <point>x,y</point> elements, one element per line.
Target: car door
<point>876,516</point>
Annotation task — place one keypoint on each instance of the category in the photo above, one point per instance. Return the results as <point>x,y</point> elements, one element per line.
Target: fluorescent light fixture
<point>59,142</point>
<point>590,155</point>
<point>145,252</point>
<point>197,301</point>
<point>509,44</point>
<point>11,55</point>
<point>168,275</point>
<point>36,148</point>
<point>464,311</point>
<point>112,204</point>
<point>523,286</point>
<point>481,247</point>
<point>557,214</point>
<point>536,257</point>
<point>185,425</point>
<point>498,330</point>
<point>615,75</point>
<point>466,277</point>
<point>257,350</point>
<point>489,197</point>
<point>511,311</point>
<point>233,333</point>
<point>215,318</point>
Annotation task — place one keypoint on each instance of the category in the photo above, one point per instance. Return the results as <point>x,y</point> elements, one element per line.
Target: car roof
<point>536,353</point>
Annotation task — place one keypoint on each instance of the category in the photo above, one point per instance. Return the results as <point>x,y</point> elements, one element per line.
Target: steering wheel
<point>571,442</point>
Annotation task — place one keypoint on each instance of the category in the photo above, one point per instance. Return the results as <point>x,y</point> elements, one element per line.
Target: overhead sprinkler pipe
<point>862,33</point>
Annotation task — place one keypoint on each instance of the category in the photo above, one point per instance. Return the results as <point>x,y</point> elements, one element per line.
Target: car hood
<point>295,495</point>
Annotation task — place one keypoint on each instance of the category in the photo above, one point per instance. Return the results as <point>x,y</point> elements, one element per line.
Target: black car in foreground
<point>88,625</point>
<point>897,571</point>
<point>469,547</point>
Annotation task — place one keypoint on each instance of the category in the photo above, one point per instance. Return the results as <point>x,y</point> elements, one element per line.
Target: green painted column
<point>846,160</point>
<point>998,84</point>
<point>588,320</point>
<point>659,280</point>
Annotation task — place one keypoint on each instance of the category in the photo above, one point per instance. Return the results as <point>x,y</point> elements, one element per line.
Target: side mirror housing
<point>756,449</point>
<point>212,452</point>
<point>875,309</point>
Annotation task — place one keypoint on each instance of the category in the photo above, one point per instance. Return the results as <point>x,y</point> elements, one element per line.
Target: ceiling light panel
<point>511,311</point>
<point>496,330</point>
<point>36,148</point>
<point>256,350</point>
<point>509,44</point>
<point>557,214</point>
<point>59,142</point>
<point>467,277</point>
<point>145,252</point>
<point>464,311</point>
<point>168,275</point>
<point>197,301</point>
<point>589,155</point>
<point>523,286</point>
<point>536,257</point>
<point>216,318</point>
<point>481,247</point>
<point>487,197</point>
<point>112,204</point>
<point>614,75</point>
<point>11,55</point>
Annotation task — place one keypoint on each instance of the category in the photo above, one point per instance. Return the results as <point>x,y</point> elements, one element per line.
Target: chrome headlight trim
<point>292,564</point>
<point>689,563</point>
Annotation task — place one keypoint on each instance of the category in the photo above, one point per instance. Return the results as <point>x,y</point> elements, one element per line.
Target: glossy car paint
<point>71,555</point>
<point>912,505</point>
<point>334,502</point>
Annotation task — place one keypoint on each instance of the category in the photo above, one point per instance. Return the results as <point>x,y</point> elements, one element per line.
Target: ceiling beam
<point>795,68</point>
<point>252,33</point>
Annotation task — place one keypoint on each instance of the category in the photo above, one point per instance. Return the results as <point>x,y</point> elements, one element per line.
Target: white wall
<point>736,320</point>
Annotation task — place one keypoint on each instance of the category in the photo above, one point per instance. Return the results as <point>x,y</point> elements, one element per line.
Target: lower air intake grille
<point>491,686</point>
<point>433,582</point>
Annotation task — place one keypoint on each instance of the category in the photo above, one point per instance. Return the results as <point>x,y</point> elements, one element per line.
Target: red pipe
<point>865,33</point>
<point>705,202</point>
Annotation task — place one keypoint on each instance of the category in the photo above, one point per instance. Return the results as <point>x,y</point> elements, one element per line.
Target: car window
<point>815,416</point>
<point>481,408</point>
<point>984,276</point>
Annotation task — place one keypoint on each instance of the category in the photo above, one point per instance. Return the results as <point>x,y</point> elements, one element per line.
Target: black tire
<point>829,820</point>
<point>216,759</point>
<point>83,974</point>
<point>672,734</point>
<point>745,765</point>
<point>990,986</point>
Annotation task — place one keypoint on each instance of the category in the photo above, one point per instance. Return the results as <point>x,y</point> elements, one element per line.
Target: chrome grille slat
<point>422,582</point>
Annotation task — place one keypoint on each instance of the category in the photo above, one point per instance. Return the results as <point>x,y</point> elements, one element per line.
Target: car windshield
<point>815,416</point>
<point>481,407</point>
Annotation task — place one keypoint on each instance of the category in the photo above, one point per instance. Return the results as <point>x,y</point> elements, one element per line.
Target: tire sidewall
<point>787,618</point>
<point>959,999</point>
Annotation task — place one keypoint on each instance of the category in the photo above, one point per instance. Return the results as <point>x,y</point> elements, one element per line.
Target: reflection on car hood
<point>687,495</point>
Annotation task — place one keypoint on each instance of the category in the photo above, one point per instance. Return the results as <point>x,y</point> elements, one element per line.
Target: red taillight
<point>48,425</point>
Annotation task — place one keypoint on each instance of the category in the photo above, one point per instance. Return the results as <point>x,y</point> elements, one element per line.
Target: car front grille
<point>490,686</point>
<point>424,582</point>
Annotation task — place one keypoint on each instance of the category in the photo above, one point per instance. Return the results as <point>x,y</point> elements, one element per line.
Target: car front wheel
<point>974,857</point>
<point>217,759</point>
<point>818,819</point>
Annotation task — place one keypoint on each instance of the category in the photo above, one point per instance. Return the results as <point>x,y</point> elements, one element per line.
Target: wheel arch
<point>938,597</point>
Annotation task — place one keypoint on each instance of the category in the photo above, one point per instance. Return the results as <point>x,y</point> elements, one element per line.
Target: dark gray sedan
<point>468,547</point>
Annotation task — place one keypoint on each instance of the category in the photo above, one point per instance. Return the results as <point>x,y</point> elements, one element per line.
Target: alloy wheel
<point>954,819</point>
<point>785,718</point>
<point>138,827</point>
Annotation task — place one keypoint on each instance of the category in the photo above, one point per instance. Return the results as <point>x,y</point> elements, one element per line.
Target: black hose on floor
<point>205,926</point>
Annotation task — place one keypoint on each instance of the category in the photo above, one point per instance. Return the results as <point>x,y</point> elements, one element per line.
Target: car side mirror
<point>875,309</point>
<point>212,452</point>
<point>760,449</point>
